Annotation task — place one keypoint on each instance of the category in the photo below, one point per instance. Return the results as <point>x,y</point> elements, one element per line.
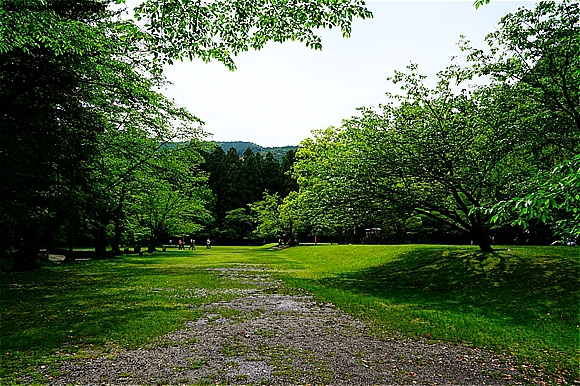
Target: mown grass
<point>98,307</point>
<point>521,301</point>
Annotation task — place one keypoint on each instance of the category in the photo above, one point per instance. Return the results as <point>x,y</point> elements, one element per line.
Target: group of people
<point>181,244</point>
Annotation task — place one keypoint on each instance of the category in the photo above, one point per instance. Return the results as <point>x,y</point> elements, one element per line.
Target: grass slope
<point>521,301</point>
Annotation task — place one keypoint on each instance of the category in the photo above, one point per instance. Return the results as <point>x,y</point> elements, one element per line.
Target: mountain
<point>240,146</point>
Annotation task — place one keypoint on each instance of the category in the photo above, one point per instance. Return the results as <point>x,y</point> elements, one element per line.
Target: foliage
<point>80,117</point>
<point>78,81</point>
<point>278,152</point>
<point>538,52</point>
<point>488,131</point>
<point>291,216</point>
<point>218,30</point>
<point>239,224</point>
<point>556,202</point>
<point>479,3</point>
<point>170,198</point>
<point>238,181</point>
<point>265,213</point>
<point>279,218</point>
<point>432,152</point>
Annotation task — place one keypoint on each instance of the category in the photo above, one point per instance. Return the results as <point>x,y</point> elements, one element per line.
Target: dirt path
<point>267,338</point>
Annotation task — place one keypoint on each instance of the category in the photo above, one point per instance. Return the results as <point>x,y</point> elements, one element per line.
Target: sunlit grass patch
<point>519,301</point>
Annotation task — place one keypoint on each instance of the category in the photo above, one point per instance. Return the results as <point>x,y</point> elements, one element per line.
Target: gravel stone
<point>279,339</point>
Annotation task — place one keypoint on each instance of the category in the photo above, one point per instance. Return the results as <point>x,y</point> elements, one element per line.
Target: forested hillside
<point>277,152</point>
<point>237,181</point>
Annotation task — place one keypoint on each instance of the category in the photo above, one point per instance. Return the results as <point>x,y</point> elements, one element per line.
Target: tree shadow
<point>516,287</point>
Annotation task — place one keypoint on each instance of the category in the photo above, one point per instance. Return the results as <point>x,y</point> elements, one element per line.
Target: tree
<point>96,120</point>
<point>288,181</point>
<point>216,165</point>
<point>238,225</point>
<point>249,178</point>
<point>265,213</point>
<point>446,154</point>
<point>292,217</point>
<point>434,152</point>
<point>479,3</point>
<point>271,174</point>
<point>279,218</point>
<point>555,201</point>
<point>50,115</point>
<point>74,72</point>
<point>325,185</point>
<point>221,29</point>
<point>538,51</point>
<point>238,181</point>
<point>131,159</point>
<point>169,198</point>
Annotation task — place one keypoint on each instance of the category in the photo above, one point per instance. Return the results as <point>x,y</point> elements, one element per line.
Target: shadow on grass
<point>91,305</point>
<point>515,286</point>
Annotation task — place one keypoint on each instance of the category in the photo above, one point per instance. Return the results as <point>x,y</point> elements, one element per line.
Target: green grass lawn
<point>519,301</point>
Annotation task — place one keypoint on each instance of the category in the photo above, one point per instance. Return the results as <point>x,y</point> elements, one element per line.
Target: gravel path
<point>267,338</point>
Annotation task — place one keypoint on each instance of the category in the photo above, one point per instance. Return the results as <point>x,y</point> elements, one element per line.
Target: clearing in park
<point>342,314</point>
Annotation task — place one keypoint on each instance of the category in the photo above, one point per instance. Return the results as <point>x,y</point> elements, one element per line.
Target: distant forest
<point>241,177</point>
<point>241,147</point>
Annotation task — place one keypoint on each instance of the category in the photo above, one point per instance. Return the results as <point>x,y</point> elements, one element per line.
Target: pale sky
<point>278,95</point>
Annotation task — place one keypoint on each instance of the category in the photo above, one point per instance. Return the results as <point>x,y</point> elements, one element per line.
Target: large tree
<point>73,72</point>
<point>57,79</point>
<point>436,152</point>
<point>279,218</point>
<point>555,201</point>
<point>538,51</point>
<point>169,199</point>
<point>449,151</point>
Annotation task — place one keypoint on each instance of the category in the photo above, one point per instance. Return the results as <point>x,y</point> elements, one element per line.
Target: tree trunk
<point>485,246</point>
<point>101,242</point>
<point>118,232</point>
<point>70,255</point>
<point>115,244</point>
<point>25,260</point>
<point>152,244</point>
<point>481,239</point>
<point>290,233</point>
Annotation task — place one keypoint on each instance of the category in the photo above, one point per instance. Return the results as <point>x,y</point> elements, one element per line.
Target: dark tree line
<point>82,131</point>
<point>237,181</point>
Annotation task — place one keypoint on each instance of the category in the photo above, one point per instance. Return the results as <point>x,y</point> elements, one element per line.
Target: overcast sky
<point>281,93</point>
